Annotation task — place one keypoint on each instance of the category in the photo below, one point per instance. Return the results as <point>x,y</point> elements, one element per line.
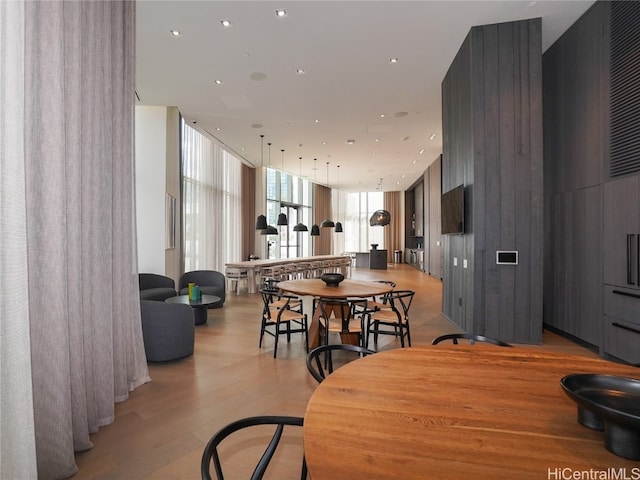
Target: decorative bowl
<point>611,403</point>
<point>332,279</point>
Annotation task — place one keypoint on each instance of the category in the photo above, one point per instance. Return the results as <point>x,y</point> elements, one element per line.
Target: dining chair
<point>211,455</point>
<point>315,364</point>
<point>380,302</point>
<point>393,320</point>
<point>277,313</point>
<point>343,316</point>
<point>472,338</point>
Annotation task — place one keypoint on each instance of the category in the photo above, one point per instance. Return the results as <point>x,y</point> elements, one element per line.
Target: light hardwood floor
<point>160,432</point>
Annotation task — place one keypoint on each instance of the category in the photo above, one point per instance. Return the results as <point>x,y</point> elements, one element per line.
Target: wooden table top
<point>280,261</point>
<point>454,412</point>
<point>347,288</point>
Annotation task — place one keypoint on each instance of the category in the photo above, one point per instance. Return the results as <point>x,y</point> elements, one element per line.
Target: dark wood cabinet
<point>622,269</point>
<point>621,232</point>
<point>576,276</point>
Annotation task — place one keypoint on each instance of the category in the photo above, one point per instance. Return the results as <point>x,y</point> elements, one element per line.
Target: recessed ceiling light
<point>175,33</point>
<point>324,143</point>
<point>404,139</point>
<point>421,151</point>
<point>382,115</point>
<point>218,129</point>
<point>281,12</point>
<point>300,71</point>
<point>393,60</point>
<point>377,139</point>
<point>413,163</point>
<point>350,142</point>
<point>316,121</point>
<point>218,82</point>
<point>432,136</point>
<point>225,23</point>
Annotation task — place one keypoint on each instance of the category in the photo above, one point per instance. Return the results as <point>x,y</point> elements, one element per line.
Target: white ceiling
<point>344,48</point>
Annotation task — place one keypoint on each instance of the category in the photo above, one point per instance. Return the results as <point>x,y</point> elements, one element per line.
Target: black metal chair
<point>210,454</point>
<point>472,338</point>
<point>277,312</point>
<point>340,315</point>
<point>393,320</point>
<point>314,363</point>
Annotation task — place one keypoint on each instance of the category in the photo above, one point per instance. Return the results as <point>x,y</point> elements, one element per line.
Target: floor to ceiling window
<point>291,195</point>
<point>211,202</point>
<point>358,234</point>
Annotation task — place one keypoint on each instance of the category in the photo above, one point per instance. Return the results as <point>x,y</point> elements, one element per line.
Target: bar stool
<point>234,276</point>
<point>272,272</point>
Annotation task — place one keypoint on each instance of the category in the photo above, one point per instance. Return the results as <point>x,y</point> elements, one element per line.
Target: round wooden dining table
<point>314,287</point>
<point>456,412</point>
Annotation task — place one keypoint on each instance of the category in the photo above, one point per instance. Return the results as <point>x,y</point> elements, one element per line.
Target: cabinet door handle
<point>629,259</point>
<point>624,327</point>
<point>638,259</point>
<point>626,294</point>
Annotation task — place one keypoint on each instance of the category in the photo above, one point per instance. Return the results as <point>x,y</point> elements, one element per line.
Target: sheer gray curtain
<point>212,203</point>
<point>78,278</point>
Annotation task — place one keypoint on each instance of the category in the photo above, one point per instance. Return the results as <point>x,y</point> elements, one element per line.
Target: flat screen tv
<point>452,211</point>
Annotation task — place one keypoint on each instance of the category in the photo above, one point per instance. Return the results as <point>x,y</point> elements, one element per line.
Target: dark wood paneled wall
<point>492,134</point>
<point>575,160</point>
<point>434,238</point>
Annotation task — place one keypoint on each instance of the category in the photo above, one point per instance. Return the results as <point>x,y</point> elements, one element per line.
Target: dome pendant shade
<point>380,218</point>
<point>270,230</point>
<point>261,222</point>
<point>282,219</point>
<point>338,227</point>
<point>301,227</point>
<point>327,223</point>
<point>315,231</point>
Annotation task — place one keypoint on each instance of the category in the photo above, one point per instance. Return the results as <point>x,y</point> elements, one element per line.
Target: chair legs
<point>287,330</point>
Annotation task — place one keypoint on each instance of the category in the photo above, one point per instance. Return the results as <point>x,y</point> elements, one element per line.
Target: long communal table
<point>255,266</point>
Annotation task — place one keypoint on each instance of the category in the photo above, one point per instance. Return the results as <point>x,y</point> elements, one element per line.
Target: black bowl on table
<point>610,403</point>
<point>332,279</point>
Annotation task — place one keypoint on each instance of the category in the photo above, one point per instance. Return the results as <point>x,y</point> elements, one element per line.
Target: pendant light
<point>270,230</point>
<point>261,221</point>
<point>327,222</point>
<point>338,224</point>
<point>315,230</point>
<point>380,218</point>
<point>282,218</point>
<point>300,227</point>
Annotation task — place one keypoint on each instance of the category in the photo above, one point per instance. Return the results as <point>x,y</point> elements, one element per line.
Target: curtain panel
<point>17,457</point>
<point>212,202</point>
<point>80,283</point>
<point>393,238</point>
<point>322,211</point>
<point>248,206</point>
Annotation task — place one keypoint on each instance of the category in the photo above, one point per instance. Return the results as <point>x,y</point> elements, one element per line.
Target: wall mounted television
<point>452,211</point>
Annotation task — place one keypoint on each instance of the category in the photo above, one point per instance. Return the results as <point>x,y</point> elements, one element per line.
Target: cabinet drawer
<point>622,303</point>
<point>622,339</point>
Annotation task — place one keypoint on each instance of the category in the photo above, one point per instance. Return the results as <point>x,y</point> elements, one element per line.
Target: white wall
<point>151,155</point>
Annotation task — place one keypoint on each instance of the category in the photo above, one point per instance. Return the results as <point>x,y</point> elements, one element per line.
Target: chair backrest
<point>473,338</point>
<point>210,454</point>
<point>153,280</point>
<point>202,277</point>
<point>342,309</point>
<point>315,364</point>
<point>270,295</point>
<point>400,301</point>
